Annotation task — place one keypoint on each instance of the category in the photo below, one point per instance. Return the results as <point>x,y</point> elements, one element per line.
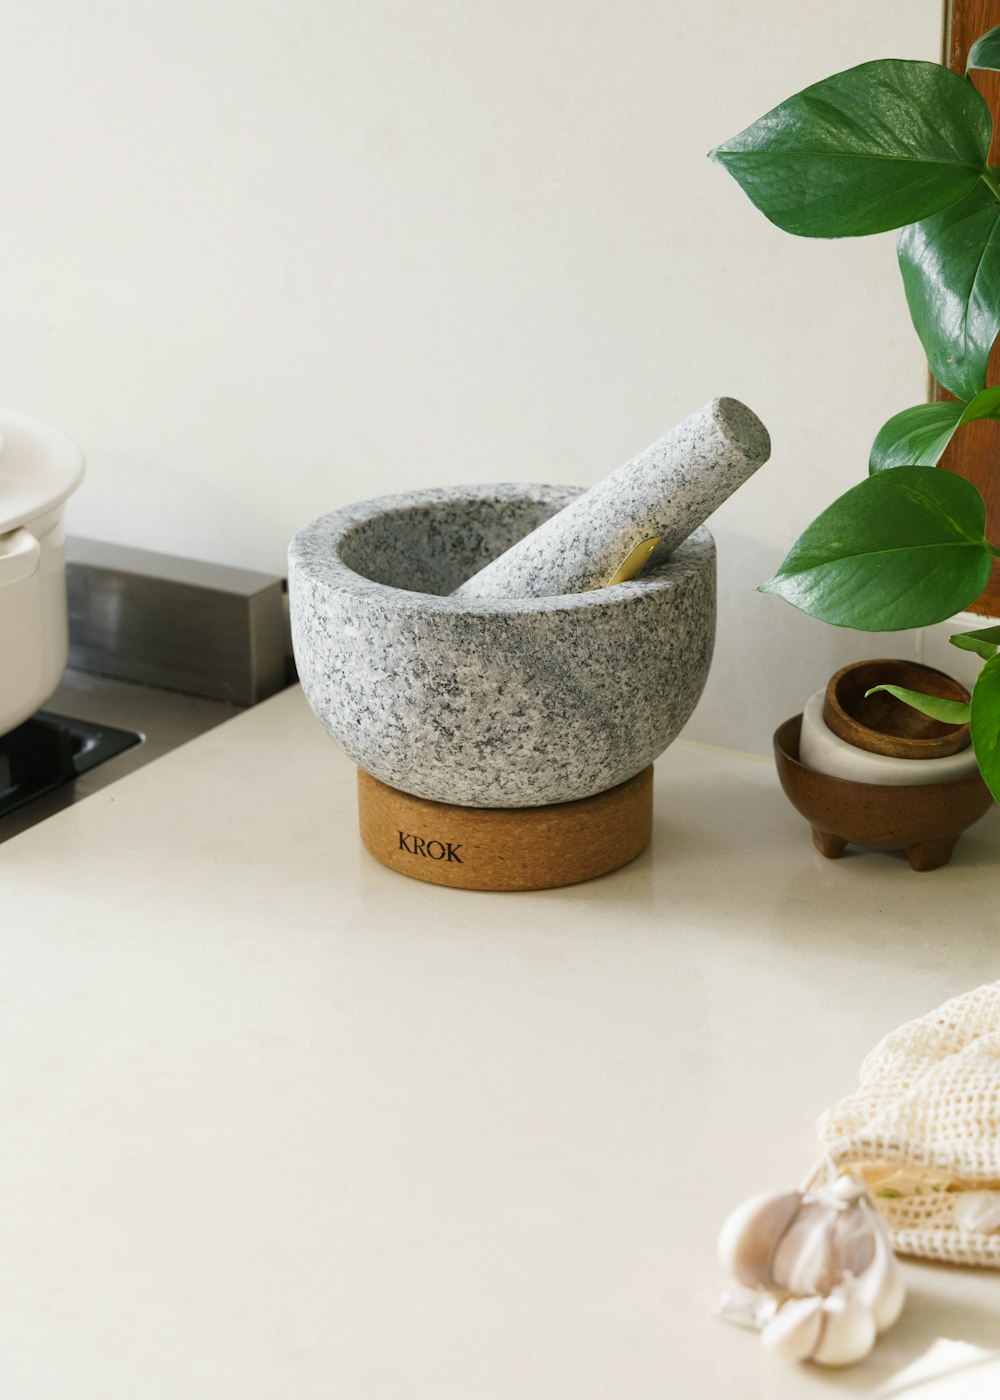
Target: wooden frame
<point>975,451</point>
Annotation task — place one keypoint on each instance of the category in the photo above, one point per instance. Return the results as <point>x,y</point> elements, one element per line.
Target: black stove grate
<point>49,750</point>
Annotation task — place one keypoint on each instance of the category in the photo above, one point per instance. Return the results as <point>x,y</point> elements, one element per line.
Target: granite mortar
<point>493,702</point>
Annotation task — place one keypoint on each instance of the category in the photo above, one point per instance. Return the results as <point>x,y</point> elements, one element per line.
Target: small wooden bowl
<point>881,723</point>
<point>924,820</point>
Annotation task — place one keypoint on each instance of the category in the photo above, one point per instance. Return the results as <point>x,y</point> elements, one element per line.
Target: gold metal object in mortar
<point>634,563</point>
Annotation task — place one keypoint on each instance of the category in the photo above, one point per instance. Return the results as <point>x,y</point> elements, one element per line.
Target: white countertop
<point>278,1122</point>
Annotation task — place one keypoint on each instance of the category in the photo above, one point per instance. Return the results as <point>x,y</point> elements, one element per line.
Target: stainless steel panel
<point>203,629</point>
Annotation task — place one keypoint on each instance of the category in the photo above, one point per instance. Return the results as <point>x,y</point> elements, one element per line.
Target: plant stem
<point>990,180</point>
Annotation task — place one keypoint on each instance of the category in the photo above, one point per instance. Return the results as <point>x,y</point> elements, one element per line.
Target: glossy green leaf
<point>918,436</point>
<point>951,270</point>
<point>985,404</point>
<point>983,642</point>
<point>985,724</point>
<point>905,548</point>
<point>985,52</point>
<point>869,149</point>
<point>948,711</point>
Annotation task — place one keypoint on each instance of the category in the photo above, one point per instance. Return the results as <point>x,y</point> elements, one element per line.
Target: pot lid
<point>39,468</point>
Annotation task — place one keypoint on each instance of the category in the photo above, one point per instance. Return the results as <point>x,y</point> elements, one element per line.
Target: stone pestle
<point>637,515</point>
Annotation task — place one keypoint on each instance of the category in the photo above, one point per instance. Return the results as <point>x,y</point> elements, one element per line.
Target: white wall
<point>263,257</point>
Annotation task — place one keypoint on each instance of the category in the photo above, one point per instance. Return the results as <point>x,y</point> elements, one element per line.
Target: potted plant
<point>901,144</point>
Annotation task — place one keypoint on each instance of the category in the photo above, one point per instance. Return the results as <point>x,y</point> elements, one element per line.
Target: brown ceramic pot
<point>881,723</point>
<point>924,820</point>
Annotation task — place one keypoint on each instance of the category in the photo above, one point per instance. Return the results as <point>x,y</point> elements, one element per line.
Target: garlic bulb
<point>826,1259</point>
<point>880,1285</point>
<point>806,1259</point>
<point>977,1211</point>
<point>747,1239</point>
<point>837,1330</point>
<point>795,1329</point>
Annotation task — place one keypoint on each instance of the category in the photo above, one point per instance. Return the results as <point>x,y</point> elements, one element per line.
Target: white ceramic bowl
<point>825,751</point>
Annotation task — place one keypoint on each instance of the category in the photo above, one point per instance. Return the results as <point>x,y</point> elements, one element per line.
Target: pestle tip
<point>741,427</point>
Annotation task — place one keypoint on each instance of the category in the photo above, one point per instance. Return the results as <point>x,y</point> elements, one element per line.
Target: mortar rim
<point>328,530</point>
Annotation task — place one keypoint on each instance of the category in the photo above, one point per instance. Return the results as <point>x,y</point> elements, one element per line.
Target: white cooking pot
<point>39,468</point>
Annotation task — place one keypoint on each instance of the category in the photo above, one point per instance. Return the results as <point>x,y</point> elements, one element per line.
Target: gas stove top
<point>50,750</point>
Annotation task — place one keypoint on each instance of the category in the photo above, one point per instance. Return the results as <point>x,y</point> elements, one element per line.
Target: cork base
<point>506,848</point>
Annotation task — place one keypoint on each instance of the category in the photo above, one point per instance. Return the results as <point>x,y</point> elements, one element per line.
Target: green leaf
<point>918,436</point>
<point>948,711</point>
<point>951,270</point>
<point>984,642</point>
<point>986,724</point>
<point>905,548</point>
<point>985,52</point>
<point>869,149</point>
<point>986,404</point>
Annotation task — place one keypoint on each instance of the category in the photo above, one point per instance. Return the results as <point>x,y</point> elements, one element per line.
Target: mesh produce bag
<point>923,1129</point>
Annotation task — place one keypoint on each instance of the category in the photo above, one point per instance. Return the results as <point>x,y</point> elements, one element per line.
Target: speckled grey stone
<point>668,490</point>
<point>499,702</point>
